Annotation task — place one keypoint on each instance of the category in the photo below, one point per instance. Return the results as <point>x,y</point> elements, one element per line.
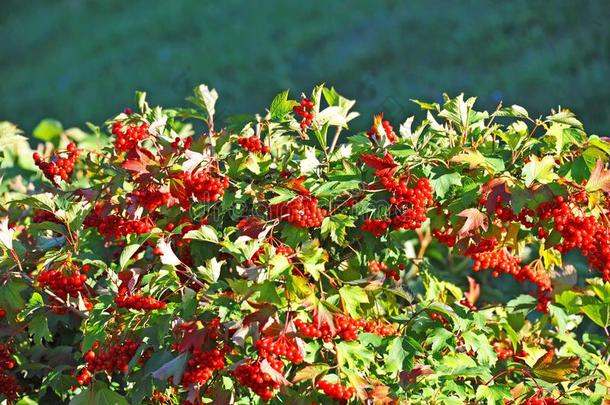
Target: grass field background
<point>82,61</point>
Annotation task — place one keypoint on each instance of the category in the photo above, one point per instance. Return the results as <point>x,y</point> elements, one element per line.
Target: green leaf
<point>399,355</point>
<point>10,135</point>
<point>444,180</point>
<point>10,295</point>
<point>356,356</point>
<point>513,111</point>
<point>280,106</point>
<point>205,233</point>
<point>438,339</point>
<point>173,368</point>
<point>38,327</point>
<point>598,313</point>
<point>98,394</point>
<point>352,297</point>
<point>48,129</point>
<point>127,253</point>
<point>566,117</point>
<point>279,265</point>
<point>206,99</point>
<point>336,226</point>
<point>493,394</point>
<point>268,293</point>
<point>479,343</point>
<point>540,170</point>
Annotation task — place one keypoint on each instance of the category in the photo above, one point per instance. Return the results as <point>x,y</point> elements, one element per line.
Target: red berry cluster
<point>182,145</point>
<point>446,237</point>
<point>202,365</point>
<point>305,111</point>
<point>282,346</point>
<point>336,391</point>
<point>58,168</point>
<point>8,385</point>
<point>284,250</point>
<point>505,214</point>
<point>504,351</point>
<point>138,302</point>
<point>481,246</point>
<point>409,201</point>
<point>251,375</point>
<point>302,212</point>
<point>579,231</point>
<point>501,261</point>
<point>150,197</point>
<point>114,358</point>
<point>253,144</point>
<point>380,128</point>
<point>380,328</point>
<point>438,317</point>
<point>346,328</point>
<point>6,358</point>
<point>540,399</point>
<point>63,282</point>
<point>377,267</point>
<point>44,216</point>
<point>2,312</point>
<point>115,226</point>
<point>159,397</point>
<point>375,226</point>
<point>205,185</point>
<point>127,138</point>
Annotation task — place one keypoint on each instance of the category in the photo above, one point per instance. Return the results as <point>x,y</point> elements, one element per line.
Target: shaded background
<point>82,61</point>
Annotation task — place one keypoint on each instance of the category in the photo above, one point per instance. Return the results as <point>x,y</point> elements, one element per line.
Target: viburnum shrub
<point>162,259</point>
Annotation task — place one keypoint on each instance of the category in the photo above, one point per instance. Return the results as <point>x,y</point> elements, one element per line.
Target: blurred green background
<point>82,61</point>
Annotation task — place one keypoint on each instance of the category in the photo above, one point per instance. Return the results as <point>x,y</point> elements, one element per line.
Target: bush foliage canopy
<point>464,258</point>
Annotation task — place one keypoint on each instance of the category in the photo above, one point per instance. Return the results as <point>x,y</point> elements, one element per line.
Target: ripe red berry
<point>60,165</point>
<point>128,137</point>
<point>305,111</point>
<point>253,144</point>
<point>302,212</point>
<point>336,391</point>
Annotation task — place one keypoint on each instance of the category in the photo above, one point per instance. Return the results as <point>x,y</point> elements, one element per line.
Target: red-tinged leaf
<point>136,166</point>
<point>554,370</point>
<point>600,179</point>
<point>297,185</point>
<point>274,374</point>
<point>177,190</point>
<point>195,159</point>
<point>497,192</point>
<point>410,377</point>
<point>387,162</point>
<point>261,316</point>
<point>87,193</point>
<point>142,155</point>
<point>325,317</point>
<point>311,372</point>
<point>252,226</point>
<point>359,384</point>
<point>474,290</point>
<point>195,339</point>
<point>380,394</point>
<point>475,219</point>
